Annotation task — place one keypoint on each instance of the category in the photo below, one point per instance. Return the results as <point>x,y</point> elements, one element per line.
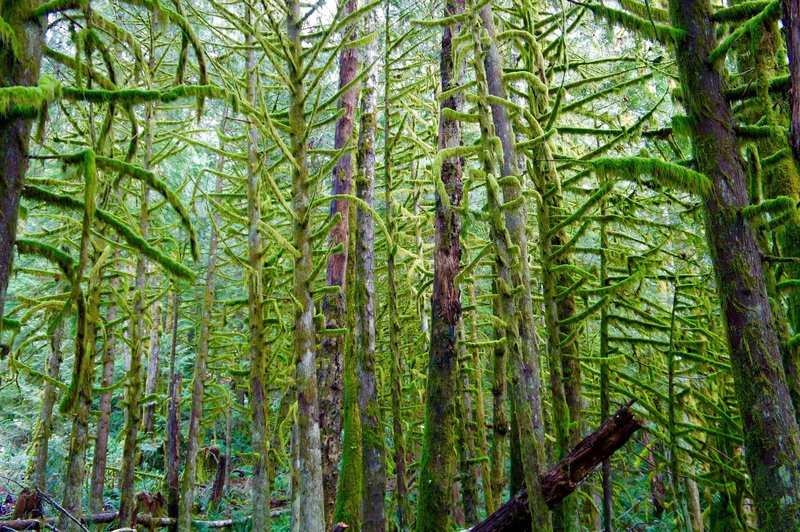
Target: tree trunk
<point>153,368</point>
<point>373,451</point>
<point>351,480</point>
<point>516,304</point>
<point>312,507</point>
<point>436,467</point>
<point>330,369</point>
<point>15,132</point>
<point>173,429</point>
<point>83,381</point>
<point>500,423</point>
<point>97,485</point>
<point>791,24</point>
<point>134,388</point>
<point>393,325</point>
<point>768,417</point>
<point>194,439</point>
<point>563,478</point>
<point>259,400</point>
<point>45,426</point>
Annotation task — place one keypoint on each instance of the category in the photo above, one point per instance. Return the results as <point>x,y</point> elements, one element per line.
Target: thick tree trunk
<point>563,478</point>
<point>436,467</point>
<point>311,517</point>
<point>768,416</point>
<point>373,451</point>
<point>45,425</point>
<point>15,132</point>
<point>331,389</point>
<point>194,439</point>
<point>259,400</point>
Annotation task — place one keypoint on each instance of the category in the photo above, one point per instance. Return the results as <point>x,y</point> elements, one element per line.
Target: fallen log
<point>110,517</point>
<point>563,478</point>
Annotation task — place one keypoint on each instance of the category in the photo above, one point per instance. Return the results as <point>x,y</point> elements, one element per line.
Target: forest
<point>432,265</point>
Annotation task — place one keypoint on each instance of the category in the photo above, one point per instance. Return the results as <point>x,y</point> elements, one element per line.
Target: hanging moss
<point>770,12</point>
<point>662,33</point>
<point>134,240</point>
<point>740,11</point>
<point>28,101</point>
<point>773,206</point>
<point>645,10</point>
<point>54,6</point>
<point>9,38</point>
<point>669,174</point>
<point>149,178</point>
<point>51,253</point>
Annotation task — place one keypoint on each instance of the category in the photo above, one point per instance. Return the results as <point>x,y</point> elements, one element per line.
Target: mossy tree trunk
<point>436,467</point>
<point>791,24</point>
<point>311,516</point>
<point>513,283</point>
<point>373,450</point>
<point>333,306</point>
<point>194,438</point>
<point>99,459</point>
<point>351,479</point>
<point>259,400</point>
<point>15,132</point>
<point>393,324</point>
<point>768,416</point>
<point>173,428</point>
<point>45,425</point>
<point>82,387</point>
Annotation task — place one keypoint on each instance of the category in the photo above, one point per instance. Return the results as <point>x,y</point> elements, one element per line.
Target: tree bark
<point>514,286</point>
<point>153,369</point>
<point>563,478</point>
<point>791,24</point>
<point>193,440</point>
<point>45,426</point>
<point>173,429</point>
<point>331,389</point>
<point>15,132</point>
<point>436,467</point>
<point>373,451</point>
<point>311,517</point>
<point>393,325</point>
<point>259,400</point>
<point>768,416</point>
<point>97,484</point>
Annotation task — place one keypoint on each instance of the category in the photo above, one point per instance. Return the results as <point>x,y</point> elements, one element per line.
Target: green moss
<point>772,206</point>
<point>51,253</point>
<point>148,177</point>
<point>649,29</point>
<point>740,11</point>
<point>130,236</point>
<point>669,174</point>
<point>55,6</point>
<point>770,12</point>
<point>9,38</point>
